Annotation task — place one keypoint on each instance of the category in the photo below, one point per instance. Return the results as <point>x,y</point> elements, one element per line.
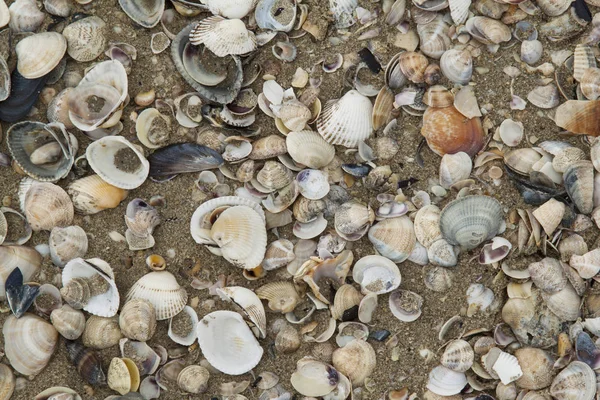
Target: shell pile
<point>286,199</point>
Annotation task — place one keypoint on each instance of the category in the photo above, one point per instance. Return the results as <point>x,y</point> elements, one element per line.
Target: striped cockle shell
<point>346,121</point>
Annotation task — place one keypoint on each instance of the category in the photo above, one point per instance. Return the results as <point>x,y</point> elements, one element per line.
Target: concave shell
<point>577,381</point>
<point>445,382</point>
<point>274,175</point>
<point>162,291</point>
<point>405,305</point>
<point>181,158</point>
<point>590,83</point>
<point>579,116</point>
<point>118,162</point>
<point>47,206</point>
<point>69,322</point>
<point>50,393</point>
<point>356,360</point>
<point>123,375</point>
<point>137,320</point>
<point>23,94</point>
<point>250,304</point>
<point>146,359</point>
<point>101,332</point>
<point>146,13</point>
<point>314,378</point>
<point>223,37</point>
<point>487,30</point>
<point>549,215</point>
<point>230,8</point>
<point>182,327</point>
<point>587,265</point>
<point>66,244</point>
<point>376,274</point>
<point>48,299</point>
<point>566,303</point>
<point>583,56</point>
<point>347,298</point>
<point>313,184</point>
<point>545,97</point>
<point>458,356</point>
<point>346,121</point>
<point>27,259</point>
<point>459,10</point>
<point>536,365</point>
<point>241,236</point>
<point>553,8</point>
<point>457,66</point>
<point>105,304</point>
<point>281,296</point>
<point>471,220</point>
<point>38,54</point>
<point>228,343</point>
<point>276,15</point>
<point>454,168</point>
<point>522,160</point>
<point>394,238</point>
<point>279,254</point>
<point>152,128</point>
<point>29,342</point>
<point>193,379</point>
<point>24,16</point>
<point>26,140</point>
<point>92,194</point>
<point>579,182</point>
<point>86,38</point>
<point>7,382</point>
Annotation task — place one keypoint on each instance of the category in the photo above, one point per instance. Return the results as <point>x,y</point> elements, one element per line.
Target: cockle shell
<point>161,289</point>
<point>577,381</point>
<point>46,206</point>
<point>223,36</point>
<point>578,116</point>
<point>38,54</point>
<point>92,194</point>
<point>454,168</point>
<point>487,30</point>
<point>250,304</point>
<point>101,332</point>
<point>394,238</point>
<point>459,10</point>
<point>67,243</point>
<point>537,367</point>
<point>356,360</point>
<point>137,320</point>
<point>347,298</point>
<point>279,254</point>
<point>458,356</point>
<point>29,342</point>
<point>346,121</point>
<point>427,224</point>
<point>352,220</point>
<point>583,56</point>
<point>281,296</point>
<point>69,322</point>
<point>376,274</point>
<point>86,38</point>
<point>413,65</point>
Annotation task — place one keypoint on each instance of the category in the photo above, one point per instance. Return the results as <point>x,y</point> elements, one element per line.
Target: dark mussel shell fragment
<point>23,95</point>
<point>225,91</point>
<point>183,157</point>
<point>537,189</point>
<point>87,362</point>
<point>20,296</point>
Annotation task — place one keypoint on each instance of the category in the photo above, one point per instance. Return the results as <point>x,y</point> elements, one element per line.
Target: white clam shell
<point>228,343</point>
<point>102,157</point>
<point>454,168</point>
<point>577,381</point>
<point>376,274</point>
<point>230,8</point>
<point>4,14</point>
<point>314,378</point>
<point>346,121</point>
<point>511,132</point>
<point>310,149</point>
<point>38,54</point>
<point>457,65</point>
<point>249,302</point>
<point>445,382</point>
<point>479,298</point>
<point>284,20</point>
<point>161,289</point>
<point>24,16</point>
<point>313,184</point>
<point>223,36</point>
<point>531,51</point>
<point>190,338</point>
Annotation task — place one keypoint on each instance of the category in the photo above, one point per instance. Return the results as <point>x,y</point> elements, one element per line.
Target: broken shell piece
<point>479,298</point>
<point>587,265</point>
<point>145,13</point>
<point>250,304</point>
<point>495,251</point>
<point>511,132</point>
<point>66,244</point>
<point>549,215</point>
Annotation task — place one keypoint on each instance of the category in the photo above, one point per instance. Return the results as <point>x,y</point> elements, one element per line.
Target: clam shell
<point>275,15</point>
<point>376,274</point>
<point>29,342</point>
<point>309,148</point>
<point>544,96</point>
<point>281,296</point>
<point>4,16</point>
<point>487,30</point>
<point>314,378</point>
<point>458,356</point>
<point>27,259</point>
<point>522,160</point>
<point>288,340</point>
<point>566,303</point>
<point>577,381</point>
<point>479,298</point>
<point>384,104</point>
<point>313,184</point>
<point>118,162</point>
<point>59,8</point>
<point>434,40</point>
<point>47,206</point>
<point>427,225</point>
<point>268,147</point>
<point>123,376</point>
<point>86,38</point>
<point>405,305</point>
<point>92,195</point>
<point>152,128</point>
<point>531,51</point>
<point>579,182</point>
<point>274,175</point>
<point>442,253</point>
<point>145,13</point>
<point>230,8</point>
<point>356,360</point>
<point>279,254</point>
<point>394,238</point>
<point>25,16</point>
<point>471,220</point>
<point>590,83</point>
<point>343,11</point>
<point>250,304</point>
<point>193,378</point>
<point>162,291</point>
<point>223,37</point>
<point>137,320</point>
<point>346,300</point>
<point>445,382</point>
<point>583,57</point>
<point>182,327</point>
<point>352,220</point>
<point>454,168</point>
<point>413,66</point>
<point>227,343</point>
<point>101,332</point>
<point>69,322</point>
<point>7,381</point>
<point>537,368</point>
<point>346,121</point>
<point>38,54</point>
<point>553,8</point>
<point>457,65</point>
<point>67,243</point>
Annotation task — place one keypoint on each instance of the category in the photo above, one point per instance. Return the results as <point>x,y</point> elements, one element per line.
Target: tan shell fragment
<point>356,360</point>
<point>46,206</point>
<point>549,215</point>
<point>548,275</point>
<point>427,225</point>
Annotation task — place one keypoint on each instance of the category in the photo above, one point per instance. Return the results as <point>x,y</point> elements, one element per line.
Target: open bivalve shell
<point>38,54</point>
<point>249,302</point>
<point>376,274</point>
<point>275,15</point>
<point>405,305</point>
<point>118,162</point>
<point>90,284</point>
<point>224,37</point>
<point>123,376</point>
<point>314,378</point>
<point>161,289</point>
<point>146,13</point>
<point>346,121</point>
<point>228,343</point>
<point>182,327</point>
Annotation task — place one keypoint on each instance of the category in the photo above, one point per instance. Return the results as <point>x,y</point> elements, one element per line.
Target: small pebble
<point>380,335</point>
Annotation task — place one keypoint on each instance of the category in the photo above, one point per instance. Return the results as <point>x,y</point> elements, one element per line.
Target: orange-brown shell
<point>579,116</point>
<point>448,131</point>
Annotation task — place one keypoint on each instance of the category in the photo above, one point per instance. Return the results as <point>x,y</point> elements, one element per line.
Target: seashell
<point>230,8</point>
<point>544,96</point>
<point>413,65</point>
<point>522,160</point>
<point>285,51</point>
<point>24,16</point>
<point>553,8</point>
<point>86,38</point>
<point>245,172</point>
<point>223,36</point>
<point>152,128</point>
<point>193,378</point>
<point>146,359</point>
<point>182,327</point>
<point>146,14</point>
<point>548,275</point>
<point>309,148</point>
<point>459,10</point>
<point>46,206</point>
<point>274,175</point>
<point>22,94</point>
<point>313,184</point>
<point>590,83</point>
<point>92,195</point>
<point>20,295</point>
<point>352,220</point>
<point>227,343</point>
<point>59,8</point>
<point>454,168</point>
<point>572,245</point>
<point>466,102</point>
<point>48,299</point>
<point>4,14</point>
<point>506,367</point>
<point>268,147</point>
<point>511,132</point>
<point>123,376</point>
<point>5,84</point>
<point>314,378</point>
<point>343,12</point>
<point>279,254</point>
<point>7,382</point>
<point>447,131</point>
<point>427,224</point>
<point>87,362</point>
<point>40,53</point>
<point>268,15</point>
<point>101,333</point>
<point>576,381</point>
<point>393,238</point>
<point>564,303</point>
<point>487,30</point>
<point>458,356</point>
<point>457,66</point>
<point>45,152</point>
<point>356,360</point>
<point>66,244</point>
<point>294,115</point>
<point>183,157</point>
<point>141,218</point>
<point>281,296</point>
<point>587,265</point>
<point>288,340</point>
<point>26,259</point>
<point>162,291</point>
<point>376,274</point>
<point>29,342</point>
<point>250,304</point>
<point>471,220</point>
<point>433,38</point>
<point>537,367</point>
<point>479,298</point>
<point>438,279</point>
<point>137,320</point>
<point>531,51</point>
<point>549,215</point>
<point>384,104</point>
<point>159,42</point>
<point>583,58</point>
<point>576,116</point>
<point>70,323</point>
<point>442,253</point>
<point>345,303</point>
<point>118,162</point>
<point>405,305</point>
<point>445,382</point>
<point>346,121</point>
<point>579,182</point>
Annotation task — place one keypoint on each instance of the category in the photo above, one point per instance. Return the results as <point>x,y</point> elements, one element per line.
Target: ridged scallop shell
<point>445,382</point>
<point>67,243</point>
<point>459,10</point>
<point>7,381</point>
<point>583,56</point>
<point>106,155</point>
<point>281,296</point>
<point>38,54</point>
<point>578,179</point>
<point>223,37</point>
<point>25,16</point>
<point>228,343</point>
<point>86,38</point>
<point>458,356</point>
<point>548,275</point>
<point>123,375</point>
<point>92,194</point>
<point>578,116</point>
<point>138,320</point>
<point>471,220</point>
<point>69,322</point>
<point>346,298</point>
<point>101,332</point>
<point>487,30</point>
<point>162,291</point>
<point>240,234</point>
<point>346,121</point>
<point>27,259</point>
<point>577,381</point>
<point>394,238</point>
<point>46,206</point>
<point>454,168</point>
<point>193,379</point>
<point>590,83</point>
<point>457,66</point>
<point>376,274</point>
<point>146,13</point>
<point>29,342</point>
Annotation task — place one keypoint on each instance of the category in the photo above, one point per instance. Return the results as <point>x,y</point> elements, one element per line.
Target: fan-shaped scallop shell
<point>394,238</point>
<point>459,10</point>
<point>346,121</point>
<point>223,37</point>
<point>281,296</point>
<point>162,291</point>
